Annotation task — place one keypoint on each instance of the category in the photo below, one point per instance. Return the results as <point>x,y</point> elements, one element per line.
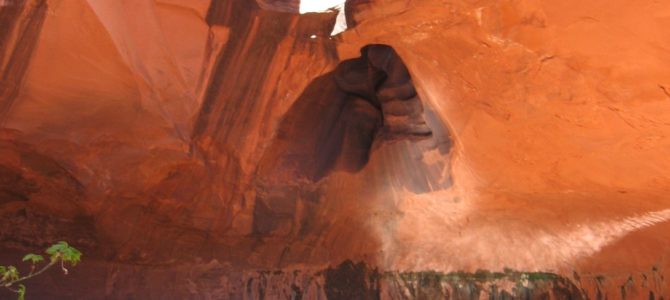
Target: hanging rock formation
<point>435,149</point>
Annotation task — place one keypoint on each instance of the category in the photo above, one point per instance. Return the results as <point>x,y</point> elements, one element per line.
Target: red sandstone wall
<point>138,129</point>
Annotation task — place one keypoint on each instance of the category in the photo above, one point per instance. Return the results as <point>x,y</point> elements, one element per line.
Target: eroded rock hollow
<point>335,123</point>
<point>381,149</point>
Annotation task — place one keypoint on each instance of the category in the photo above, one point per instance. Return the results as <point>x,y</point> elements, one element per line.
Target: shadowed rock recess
<point>343,114</point>
<point>229,149</point>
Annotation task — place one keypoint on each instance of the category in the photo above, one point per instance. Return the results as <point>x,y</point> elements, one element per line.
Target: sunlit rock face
<point>430,150</point>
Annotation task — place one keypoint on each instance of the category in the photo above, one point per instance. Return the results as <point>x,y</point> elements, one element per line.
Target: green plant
<point>59,253</point>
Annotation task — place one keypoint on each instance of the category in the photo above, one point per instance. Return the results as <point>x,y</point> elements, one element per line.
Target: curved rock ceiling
<point>435,149</point>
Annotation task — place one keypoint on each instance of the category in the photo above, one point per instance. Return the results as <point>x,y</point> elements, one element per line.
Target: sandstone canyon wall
<point>230,149</point>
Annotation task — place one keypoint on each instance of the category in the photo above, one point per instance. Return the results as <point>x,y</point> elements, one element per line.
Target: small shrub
<point>59,254</point>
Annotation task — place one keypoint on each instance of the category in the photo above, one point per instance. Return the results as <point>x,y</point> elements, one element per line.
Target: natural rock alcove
<point>337,120</point>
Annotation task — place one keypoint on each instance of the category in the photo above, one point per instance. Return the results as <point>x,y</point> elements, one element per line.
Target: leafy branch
<point>59,254</point>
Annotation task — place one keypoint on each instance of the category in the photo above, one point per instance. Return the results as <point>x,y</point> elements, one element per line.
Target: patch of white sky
<point>316,6</point>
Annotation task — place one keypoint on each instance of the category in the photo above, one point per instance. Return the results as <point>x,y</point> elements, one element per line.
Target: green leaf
<point>71,255</point>
<point>67,253</point>
<point>3,269</point>
<point>22,292</point>
<point>34,258</point>
<point>57,248</point>
<point>12,273</point>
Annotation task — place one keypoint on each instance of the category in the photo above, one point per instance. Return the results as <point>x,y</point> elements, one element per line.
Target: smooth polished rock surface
<point>234,149</point>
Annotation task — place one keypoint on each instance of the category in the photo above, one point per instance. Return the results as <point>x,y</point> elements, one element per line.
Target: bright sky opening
<point>315,6</point>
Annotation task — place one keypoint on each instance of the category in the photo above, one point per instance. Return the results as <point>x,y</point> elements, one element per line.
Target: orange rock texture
<point>232,149</point>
